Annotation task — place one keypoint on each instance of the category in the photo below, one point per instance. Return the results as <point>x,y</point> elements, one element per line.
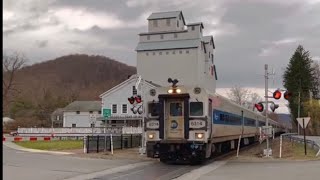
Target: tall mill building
<point>172,48</point>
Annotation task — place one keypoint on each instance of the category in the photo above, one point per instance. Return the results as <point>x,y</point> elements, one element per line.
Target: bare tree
<point>11,64</point>
<point>239,95</point>
<point>254,98</point>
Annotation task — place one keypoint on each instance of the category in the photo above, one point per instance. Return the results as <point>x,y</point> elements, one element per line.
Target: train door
<point>174,119</point>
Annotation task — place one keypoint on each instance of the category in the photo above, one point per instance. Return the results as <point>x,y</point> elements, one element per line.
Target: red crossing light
<point>131,100</point>
<point>138,99</point>
<point>287,95</point>
<point>259,107</point>
<point>277,94</point>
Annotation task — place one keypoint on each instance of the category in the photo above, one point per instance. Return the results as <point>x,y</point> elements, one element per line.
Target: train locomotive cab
<point>176,126</point>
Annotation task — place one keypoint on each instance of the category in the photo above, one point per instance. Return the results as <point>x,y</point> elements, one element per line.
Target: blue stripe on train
<point>221,117</point>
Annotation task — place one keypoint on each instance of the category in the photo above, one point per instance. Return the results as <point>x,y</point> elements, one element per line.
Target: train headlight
<point>150,136</point>
<point>178,91</point>
<point>199,135</point>
<point>170,91</point>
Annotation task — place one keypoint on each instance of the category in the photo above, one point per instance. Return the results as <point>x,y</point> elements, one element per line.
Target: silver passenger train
<point>191,124</point>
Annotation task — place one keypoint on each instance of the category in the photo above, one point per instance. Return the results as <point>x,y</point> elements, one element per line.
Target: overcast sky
<point>247,33</point>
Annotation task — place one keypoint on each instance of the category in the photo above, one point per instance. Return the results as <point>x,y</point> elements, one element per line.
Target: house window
<point>177,23</point>
<point>175,35</point>
<point>153,53</point>
<point>99,112</point>
<point>92,125</point>
<point>192,28</point>
<point>180,16</point>
<point>180,52</point>
<point>167,53</point>
<point>134,90</point>
<point>173,52</point>
<point>114,109</point>
<point>90,112</point>
<point>200,30</point>
<point>78,112</point>
<point>147,54</point>
<point>168,22</point>
<point>212,59</point>
<point>160,53</point>
<point>187,51</point>
<point>124,109</point>
<point>209,54</point>
<point>148,37</point>
<point>161,36</point>
<point>74,125</point>
<point>155,23</point>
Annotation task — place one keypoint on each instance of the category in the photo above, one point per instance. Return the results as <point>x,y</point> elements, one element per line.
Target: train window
<point>154,109</point>
<point>176,109</point>
<point>196,108</point>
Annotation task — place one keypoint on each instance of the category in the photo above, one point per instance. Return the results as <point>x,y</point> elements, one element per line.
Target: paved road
<point>157,171</point>
<point>34,166</point>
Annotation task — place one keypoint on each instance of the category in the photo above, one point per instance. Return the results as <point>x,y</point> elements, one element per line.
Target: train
<point>185,123</point>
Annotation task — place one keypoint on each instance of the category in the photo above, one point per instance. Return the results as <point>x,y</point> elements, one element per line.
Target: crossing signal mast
<point>276,95</point>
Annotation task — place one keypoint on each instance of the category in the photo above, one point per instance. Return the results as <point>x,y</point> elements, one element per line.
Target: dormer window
<point>168,22</point>
<point>155,23</point>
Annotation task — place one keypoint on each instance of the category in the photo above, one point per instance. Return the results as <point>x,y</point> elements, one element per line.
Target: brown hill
<point>46,86</point>
<point>81,76</point>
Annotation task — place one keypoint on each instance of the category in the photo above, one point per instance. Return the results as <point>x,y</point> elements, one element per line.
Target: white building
<point>172,48</point>
<point>116,99</point>
<point>81,113</point>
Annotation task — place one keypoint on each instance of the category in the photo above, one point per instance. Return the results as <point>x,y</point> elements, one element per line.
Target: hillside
<point>82,76</point>
<point>46,86</point>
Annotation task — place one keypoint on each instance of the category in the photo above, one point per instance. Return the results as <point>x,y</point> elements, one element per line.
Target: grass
<point>298,151</point>
<point>52,145</point>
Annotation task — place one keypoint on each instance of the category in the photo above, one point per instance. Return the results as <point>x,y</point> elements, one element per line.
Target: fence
<point>311,143</point>
<point>103,143</point>
<point>78,131</point>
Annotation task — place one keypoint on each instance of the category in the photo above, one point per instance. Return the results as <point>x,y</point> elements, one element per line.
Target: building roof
<point>166,15</point>
<point>207,39</point>
<point>84,106</point>
<point>196,24</point>
<point>164,32</point>
<point>58,111</point>
<point>172,44</point>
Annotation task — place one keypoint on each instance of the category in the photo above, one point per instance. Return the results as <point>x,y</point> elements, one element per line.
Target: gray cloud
<point>248,34</point>
<point>42,44</point>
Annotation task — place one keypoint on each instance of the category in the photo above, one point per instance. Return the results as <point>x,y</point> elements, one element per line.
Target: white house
<point>82,114</point>
<point>116,99</point>
<point>172,48</point>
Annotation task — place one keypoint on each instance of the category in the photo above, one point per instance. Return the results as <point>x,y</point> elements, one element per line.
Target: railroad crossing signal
<point>259,107</point>
<point>135,102</point>
<point>277,94</point>
<point>273,107</point>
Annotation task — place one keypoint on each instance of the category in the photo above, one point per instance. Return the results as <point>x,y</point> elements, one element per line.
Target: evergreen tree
<point>298,78</point>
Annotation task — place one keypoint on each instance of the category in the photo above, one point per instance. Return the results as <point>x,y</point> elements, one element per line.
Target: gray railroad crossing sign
<point>306,121</point>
